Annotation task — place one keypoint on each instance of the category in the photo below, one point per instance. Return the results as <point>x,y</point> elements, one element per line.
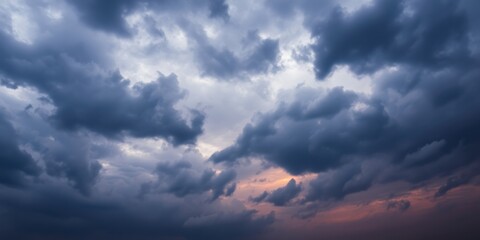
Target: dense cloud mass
<point>182,178</point>
<point>109,16</point>
<point>426,34</point>
<point>85,97</point>
<point>420,122</point>
<point>401,205</point>
<point>280,196</point>
<point>219,119</point>
<point>260,56</point>
<point>15,163</point>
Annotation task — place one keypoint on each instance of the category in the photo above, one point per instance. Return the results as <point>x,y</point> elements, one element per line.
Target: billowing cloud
<point>110,16</point>
<point>15,164</point>
<point>187,176</point>
<point>219,8</point>
<point>418,123</point>
<point>258,56</point>
<point>103,102</point>
<point>402,205</point>
<point>130,119</point>
<point>234,226</point>
<point>47,211</point>
<point>280,196</point>
<point>426,34</point>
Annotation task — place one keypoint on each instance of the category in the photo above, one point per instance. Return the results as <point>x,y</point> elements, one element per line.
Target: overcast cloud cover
<point>218,119</point>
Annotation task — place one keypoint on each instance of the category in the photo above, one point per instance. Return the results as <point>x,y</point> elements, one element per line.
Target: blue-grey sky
<point>222,119</point>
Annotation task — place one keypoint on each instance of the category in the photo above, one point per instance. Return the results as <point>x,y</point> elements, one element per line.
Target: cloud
<point>106,15</point>
<point>47,212</point>
<point>401,205</point>
<point>418,123</point>
<point>298,142</point>
<point>103,102</point>
<point>425,34</point>
<point>189,176</point>
<point>338,183</point>
<point>219,8</point>
<point>97,143</point>
<point>259,56</point>
<point>234,226</point>
<point>283,195</point>
<point>15,164</point>
<point>62,155</point>
<point>457,181</point>
<point>259,198</point>
<point>71,157</point>
<point>280,196</point>
<point>110,16</point>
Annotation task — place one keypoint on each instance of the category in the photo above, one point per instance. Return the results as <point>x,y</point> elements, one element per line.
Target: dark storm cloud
<point>451,183</point>
<point>105,103</point>
<point>218,8</point>
<point>280,196</point>
<point>223,226</point>
<point>47,212</point>
<point>45,209</point>
<point>83,106</point>
<point>15,164</point>
<point>259,198</point>
<point>335,101</point>
<point>106,15</point>
<point>429,34</point>
<point>336,184</point>
<point>293,138</point>
<point>183,177</point>
<point>63,155</point>
<point>223,64</point>
<point>420,122</point>
<point>109,16</point>
<point>458,180</point>
<point>261,55</point>
<point>69,157</point>
<point>401,205</point>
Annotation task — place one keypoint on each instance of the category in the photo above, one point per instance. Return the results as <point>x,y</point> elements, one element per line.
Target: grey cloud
<point>70,158</point>
<point>106,15</point>
<point>218,8</point>
<point>110,16</point>
<point>336,184</point>
<point>233,226</point>
<point>413,147</point>
<point>46,211</point>
<point>15,164</point>
<point>105,103</point>
<point>401,205</point>
<point>425,153</point>
<point>184,177</point>
<point>420,122</point>
<point>259,198</point>
<point>311,147</point>
<point>329,105</point>
<point>260,56</point>
<point>430,34</point>
<point>457,181</point>
<point>63,155</point>
<point>280,196</point>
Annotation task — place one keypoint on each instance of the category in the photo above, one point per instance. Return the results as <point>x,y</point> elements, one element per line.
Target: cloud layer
<point>249,119</point>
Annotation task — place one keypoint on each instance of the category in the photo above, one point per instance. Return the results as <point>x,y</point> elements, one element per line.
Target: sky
<point>254,119</point>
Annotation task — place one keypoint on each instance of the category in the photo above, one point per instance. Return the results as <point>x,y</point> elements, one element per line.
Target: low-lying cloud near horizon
<point>221,119</point>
